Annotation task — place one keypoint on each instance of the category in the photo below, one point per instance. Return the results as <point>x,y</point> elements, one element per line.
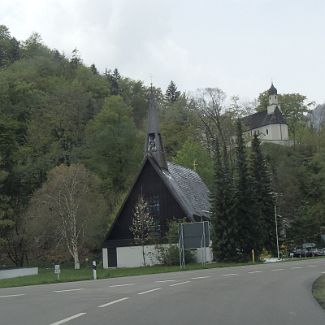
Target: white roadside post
<point>57,271</point>
<point>94,270</point>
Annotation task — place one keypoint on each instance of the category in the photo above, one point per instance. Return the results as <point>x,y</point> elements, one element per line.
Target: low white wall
<point>200,255</point>
<point>132,256</point>
<point>14,273</point>
<point>105,258</point>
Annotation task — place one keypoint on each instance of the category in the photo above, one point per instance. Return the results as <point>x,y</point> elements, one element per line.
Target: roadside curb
<point>318,290</point>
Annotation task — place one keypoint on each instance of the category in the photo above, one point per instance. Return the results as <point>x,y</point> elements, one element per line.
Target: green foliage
<point>170,255</point>
<point>224,225</point>
<point>55,110</point>
<point>172,93</point>
<point>178,124</point>
<point>111,143</point>
<point>68,211</point>
<point>194,156</point>
<point>262,200</point>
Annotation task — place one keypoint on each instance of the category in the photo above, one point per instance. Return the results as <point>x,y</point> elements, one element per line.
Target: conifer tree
<point>224,225</point>
<point>243,199</point>
<point>172,93</point>
<point>262,193</point>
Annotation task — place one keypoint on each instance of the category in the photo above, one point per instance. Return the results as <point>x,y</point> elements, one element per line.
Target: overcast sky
<point>236,45</point>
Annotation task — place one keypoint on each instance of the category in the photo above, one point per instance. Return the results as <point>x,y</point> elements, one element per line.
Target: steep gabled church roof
<point>272,90</point>
<point>188,189</point>
<point>260,119</point>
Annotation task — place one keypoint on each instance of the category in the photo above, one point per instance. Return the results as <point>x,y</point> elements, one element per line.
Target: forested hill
<point>57,113</point>
<point>54,110</point>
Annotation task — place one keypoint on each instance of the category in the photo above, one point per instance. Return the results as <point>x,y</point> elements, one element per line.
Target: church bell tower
<point>153,145</point>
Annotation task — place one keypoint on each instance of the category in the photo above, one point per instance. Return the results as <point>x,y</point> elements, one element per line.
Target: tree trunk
<point>76,259</point>
<point>144,256</point>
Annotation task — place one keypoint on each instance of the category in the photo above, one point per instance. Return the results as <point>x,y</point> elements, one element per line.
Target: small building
<point>171,192</point>
<point>270,125</point>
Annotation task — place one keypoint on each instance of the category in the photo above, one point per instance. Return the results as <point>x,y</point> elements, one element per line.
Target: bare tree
<point>142,224</point>
<point>67,208</point>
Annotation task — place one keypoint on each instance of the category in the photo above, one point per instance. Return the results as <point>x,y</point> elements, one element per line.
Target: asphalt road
<point>256,295</point>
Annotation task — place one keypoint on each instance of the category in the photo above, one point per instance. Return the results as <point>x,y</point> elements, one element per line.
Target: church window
<point>154,211</point>
<point>267,131</point>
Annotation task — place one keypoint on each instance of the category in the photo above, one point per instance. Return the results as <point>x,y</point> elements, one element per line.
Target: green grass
<point>46,276</point>
<point>319,290</point>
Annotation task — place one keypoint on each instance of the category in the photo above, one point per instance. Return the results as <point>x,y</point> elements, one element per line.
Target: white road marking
<point>152,290</point>
<point>201,277</point>
<point>251,272</point>
<point>122,285</point>
<point>275,270</point>
<point>296,267</point>
<point>113,302</point>
<point>162,281</point>
<point>68,290</point>
<point>179,283</point>
<point>230,274</point>
<point>9,296</point>
<point>68,319</point>
<point>322,272</point>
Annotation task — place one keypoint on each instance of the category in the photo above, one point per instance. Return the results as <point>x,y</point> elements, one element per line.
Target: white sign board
<point>57,269</point>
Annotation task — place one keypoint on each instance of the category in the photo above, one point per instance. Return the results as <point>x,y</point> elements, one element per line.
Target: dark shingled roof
<point>188,189</point>
<point>260,119</point>
<point>272,90</point>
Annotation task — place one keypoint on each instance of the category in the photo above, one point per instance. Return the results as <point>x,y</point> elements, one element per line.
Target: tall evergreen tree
<point>243,199</point>
<point>225,240</point>
<point>115,87</point>
<point>172,93</point>
<point>262,199</point>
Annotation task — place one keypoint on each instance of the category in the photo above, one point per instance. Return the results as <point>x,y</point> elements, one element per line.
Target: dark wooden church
<point>171,192</point>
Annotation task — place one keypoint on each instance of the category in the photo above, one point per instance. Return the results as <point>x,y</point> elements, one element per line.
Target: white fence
<point>14,273</point>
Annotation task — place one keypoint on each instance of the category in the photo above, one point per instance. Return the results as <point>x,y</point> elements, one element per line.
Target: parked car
<point>308,252</point>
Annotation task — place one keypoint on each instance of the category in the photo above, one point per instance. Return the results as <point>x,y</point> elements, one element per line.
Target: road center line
<point>152,290</point>
<point>179,283</point>
<point>275,270</point>
<point>9,296</point>
<point>201,277</point>
<point>68,319</point>
<point>230,274</point>
<point>68,290</point>
<point>252,272</point>
<point>122,285</point>
<point>163,281</point>
<point>296,267</point>
<point>113,302</point>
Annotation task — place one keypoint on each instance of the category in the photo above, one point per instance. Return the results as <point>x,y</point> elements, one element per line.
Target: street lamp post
<point>276,229</point>
<point>275,197</point>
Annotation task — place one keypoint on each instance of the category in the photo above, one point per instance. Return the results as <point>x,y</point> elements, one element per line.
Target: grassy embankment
<point>319,290</point>
<point>67,275</point>
<point>46,275</point>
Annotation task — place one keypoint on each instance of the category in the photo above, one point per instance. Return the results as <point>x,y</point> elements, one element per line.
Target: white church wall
<point>132,256</point>
<point>105,258</point>
<point>274,133</point>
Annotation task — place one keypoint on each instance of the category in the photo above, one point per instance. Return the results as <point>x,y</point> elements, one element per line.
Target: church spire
<point>154,146</point>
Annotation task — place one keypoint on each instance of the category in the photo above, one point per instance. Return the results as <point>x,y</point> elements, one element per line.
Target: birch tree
<point>68,209</point>
<point>142,224</point>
